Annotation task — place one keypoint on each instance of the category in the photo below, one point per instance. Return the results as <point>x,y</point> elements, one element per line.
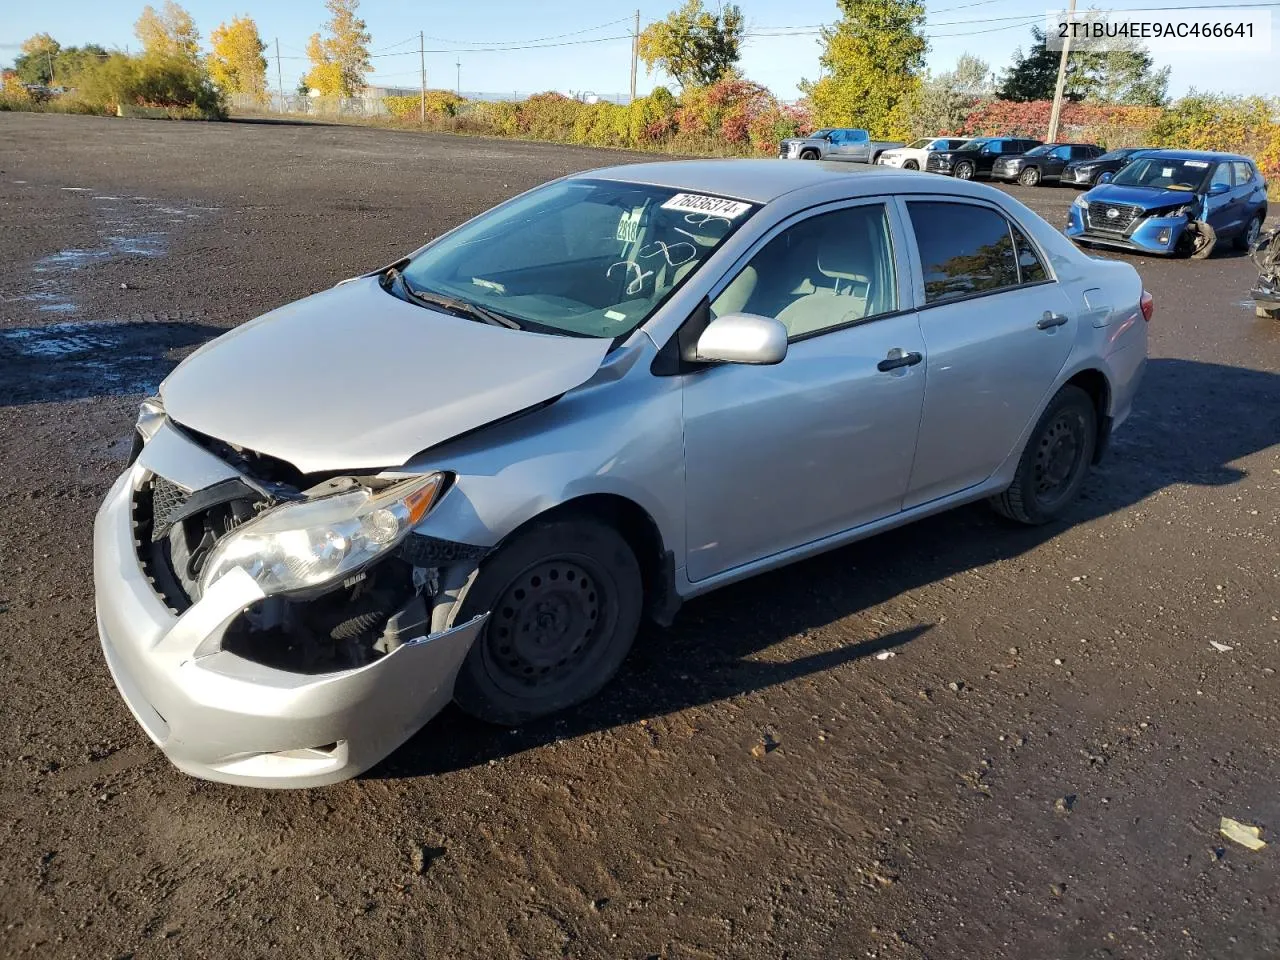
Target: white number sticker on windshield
<point>629,226</point>
<point>1195,163</point>
<point>712,206</point>
<point>1167,172</point>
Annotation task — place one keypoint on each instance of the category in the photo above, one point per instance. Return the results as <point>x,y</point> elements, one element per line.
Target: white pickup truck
<point>836,143</point>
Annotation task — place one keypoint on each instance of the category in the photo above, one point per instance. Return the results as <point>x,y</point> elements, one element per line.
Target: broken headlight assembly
<point>302,545</point>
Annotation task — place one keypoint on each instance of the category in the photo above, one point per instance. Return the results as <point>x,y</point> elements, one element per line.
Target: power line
<point>558,36</point>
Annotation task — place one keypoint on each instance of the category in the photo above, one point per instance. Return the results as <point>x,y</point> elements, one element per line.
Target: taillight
<point>1148,306</point>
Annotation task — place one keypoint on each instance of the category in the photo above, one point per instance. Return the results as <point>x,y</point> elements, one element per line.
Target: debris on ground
<point>885,655</point>
<point>766,744</point>
<point>423,855</point>
<point>1245,834</point>
<point>1065,804</point>
<point>1220,647</point>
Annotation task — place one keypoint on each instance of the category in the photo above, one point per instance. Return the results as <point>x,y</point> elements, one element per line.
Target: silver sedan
<point>471,474</point>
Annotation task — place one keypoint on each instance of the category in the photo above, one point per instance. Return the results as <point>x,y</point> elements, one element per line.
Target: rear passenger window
<point>1030,267</point>
<point>964,249</point>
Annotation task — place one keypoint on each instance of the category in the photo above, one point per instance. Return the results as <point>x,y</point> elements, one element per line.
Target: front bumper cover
<point>221,717</point>
<point>1157,235</point>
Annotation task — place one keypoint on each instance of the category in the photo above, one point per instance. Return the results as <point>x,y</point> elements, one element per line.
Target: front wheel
<point>809,155</point>
<point>911,165</point>
<point>1055,462</point>
<point>964,171</point>
<point>564,599</point>
<point>1029,177</point>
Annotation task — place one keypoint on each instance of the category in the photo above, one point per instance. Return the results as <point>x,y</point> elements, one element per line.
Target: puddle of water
<point>106,198</point>
<point>117,245</point>
<point>77,189</point>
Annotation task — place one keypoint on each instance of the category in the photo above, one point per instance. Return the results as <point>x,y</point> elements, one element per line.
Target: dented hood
<point>356,378</point>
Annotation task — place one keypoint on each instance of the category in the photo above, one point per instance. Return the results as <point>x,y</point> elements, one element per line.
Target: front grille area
<point>1124,218</point>
<point>167,498</point>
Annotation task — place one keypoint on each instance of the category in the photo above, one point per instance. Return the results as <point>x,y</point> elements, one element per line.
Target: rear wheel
<point>564,599</point>
<point>1029,177</point>
<point>964,170</point>
<point>1055,462</point>
<point>1250,235</point>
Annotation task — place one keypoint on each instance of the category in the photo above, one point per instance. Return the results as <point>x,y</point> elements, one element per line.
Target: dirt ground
<point>1037,772</point>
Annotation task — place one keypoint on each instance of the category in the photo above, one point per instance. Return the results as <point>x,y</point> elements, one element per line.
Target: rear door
<point>1250,191</point>
<point>1055,161</point>
<point>997,330</point>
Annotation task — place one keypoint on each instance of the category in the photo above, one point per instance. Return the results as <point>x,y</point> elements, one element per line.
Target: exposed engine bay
<point>339,625</point>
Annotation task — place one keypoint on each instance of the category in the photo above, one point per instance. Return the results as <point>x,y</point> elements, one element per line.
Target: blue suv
<point>1173,203</point>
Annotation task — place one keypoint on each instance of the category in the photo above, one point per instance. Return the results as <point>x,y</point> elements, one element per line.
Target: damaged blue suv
<point>1173,203</point>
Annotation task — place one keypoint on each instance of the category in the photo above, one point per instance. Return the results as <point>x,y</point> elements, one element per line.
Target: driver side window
<point>829,271</point>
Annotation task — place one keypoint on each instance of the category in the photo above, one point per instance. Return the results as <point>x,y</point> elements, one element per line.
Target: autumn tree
<point>37,61</point>
<point>236,63</point>
<point>693,45</point>
<point>942,102</point>
<point>340,61</point>
<point>171,32</point>
<point>872,62</point>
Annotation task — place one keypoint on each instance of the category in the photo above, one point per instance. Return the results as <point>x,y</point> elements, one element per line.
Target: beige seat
<point>841,294</point>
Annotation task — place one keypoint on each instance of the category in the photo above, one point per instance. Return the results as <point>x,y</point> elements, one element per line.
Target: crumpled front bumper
<point>221,717</point>
<point>1159,236</point>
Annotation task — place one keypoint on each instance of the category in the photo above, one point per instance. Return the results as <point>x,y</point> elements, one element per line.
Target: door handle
<point>897,358</point>
<point>1051,319</point>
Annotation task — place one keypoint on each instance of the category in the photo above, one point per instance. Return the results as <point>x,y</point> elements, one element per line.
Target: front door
<point>1222,210</point>
<point>997,329</point>
<point>779,456</point>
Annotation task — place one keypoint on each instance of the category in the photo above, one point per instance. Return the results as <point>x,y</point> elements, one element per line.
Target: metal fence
<point>372,103</point>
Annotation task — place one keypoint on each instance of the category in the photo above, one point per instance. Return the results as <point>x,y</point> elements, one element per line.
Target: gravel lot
<point>1038,772</point>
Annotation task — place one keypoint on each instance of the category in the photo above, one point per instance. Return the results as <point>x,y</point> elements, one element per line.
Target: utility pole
<point>422,64</point>
<point>48,59</point>
<point>635,54</point>
<point>1056,114</point>
<point>459,65</point>
<point>279,77</point>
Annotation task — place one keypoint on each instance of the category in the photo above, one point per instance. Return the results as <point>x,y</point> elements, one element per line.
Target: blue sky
<point>989,28</point>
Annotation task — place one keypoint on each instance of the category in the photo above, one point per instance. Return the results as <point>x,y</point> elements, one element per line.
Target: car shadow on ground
<point>1191,424</point>
<point>75,361</point>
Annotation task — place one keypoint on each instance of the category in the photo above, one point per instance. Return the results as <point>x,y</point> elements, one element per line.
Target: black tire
<point>1198,242</point>
<point>565,598</point>
<point>808,154</point>
<point>1029,177</point>
<point>1251,232</point>
<point>964,170</point>
<point>1055,462</point>
<point>910,165</point>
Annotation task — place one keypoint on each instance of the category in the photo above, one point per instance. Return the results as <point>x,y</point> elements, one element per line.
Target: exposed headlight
<point>1081,202</point>
<point>151,417</point>
<point>303,545</point>
<point>1086,169</point>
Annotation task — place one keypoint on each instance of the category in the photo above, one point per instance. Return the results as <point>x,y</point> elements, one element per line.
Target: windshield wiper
<point>457,307</point>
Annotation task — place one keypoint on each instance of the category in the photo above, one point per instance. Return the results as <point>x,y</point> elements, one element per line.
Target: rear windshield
<point>584,257</point>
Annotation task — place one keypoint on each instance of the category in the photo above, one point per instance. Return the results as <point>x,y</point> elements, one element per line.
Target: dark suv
<point>1085,173</point>
<point>976,157</point>
<point>1043,163</point>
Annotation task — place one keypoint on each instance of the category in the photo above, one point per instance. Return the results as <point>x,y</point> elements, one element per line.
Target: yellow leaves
<point>40,45</point>
<point>339,61</point>
<point>236,63</point>
<point>171,32</point>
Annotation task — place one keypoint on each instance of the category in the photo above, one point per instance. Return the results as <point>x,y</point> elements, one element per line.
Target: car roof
<point>758,181</point>
<point>1170,154</point>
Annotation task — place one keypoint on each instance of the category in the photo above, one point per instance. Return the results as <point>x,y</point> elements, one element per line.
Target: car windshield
<point>1113,155</point>
<point>1041,150</point>
<point>589,258</point>
<point>974,145</point>
<point>1164,173</point>
<point>822,133</point>
<point>919,144</point>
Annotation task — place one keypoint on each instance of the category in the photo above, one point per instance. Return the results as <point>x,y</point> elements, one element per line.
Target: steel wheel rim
<point>1058,458</point>
<point>548,624</point>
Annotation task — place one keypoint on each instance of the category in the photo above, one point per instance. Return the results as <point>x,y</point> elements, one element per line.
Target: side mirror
<point>743,338</point>
<point>1106,177</point>
<point>1217,189</point>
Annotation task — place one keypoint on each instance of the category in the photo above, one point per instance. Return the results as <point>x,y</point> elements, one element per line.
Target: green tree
<point>942,102</point>
<point>38,59</point>
<point>694,45</point>
<point>1106,76</point>
<point>340,61</point>
<point>236,63</point>
<point>72,62</point>
<point>872,63</point>
<point>171,32</point>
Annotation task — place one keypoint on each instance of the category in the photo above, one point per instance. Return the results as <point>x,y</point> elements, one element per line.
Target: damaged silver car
<point>470,475</point>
